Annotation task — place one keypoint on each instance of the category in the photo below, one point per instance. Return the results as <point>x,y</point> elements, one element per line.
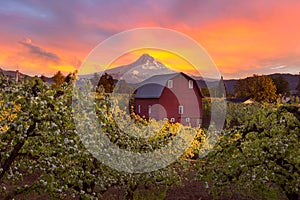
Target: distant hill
<point>12,74</point>
<point>229,84</point>
<point>49,79</point>
<point>290,78</point>
<point>146,66</point>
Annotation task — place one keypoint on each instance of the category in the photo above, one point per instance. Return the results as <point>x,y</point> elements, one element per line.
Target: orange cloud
<point>33,59</point>
<point>237,45</point>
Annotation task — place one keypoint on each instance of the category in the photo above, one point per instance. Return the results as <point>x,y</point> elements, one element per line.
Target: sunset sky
<point>242,37</point>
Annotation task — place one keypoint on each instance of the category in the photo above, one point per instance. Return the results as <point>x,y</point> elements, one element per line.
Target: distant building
<point>241,100</point>
<point>174,97</point>
<point>249,101</point>
<point>286,99</point>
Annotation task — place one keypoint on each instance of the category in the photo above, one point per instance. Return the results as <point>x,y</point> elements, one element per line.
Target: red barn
<point>175,97</point>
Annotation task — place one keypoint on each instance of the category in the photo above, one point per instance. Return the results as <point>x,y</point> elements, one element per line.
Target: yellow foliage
<point>235,138</point>
<point>8,113</point>
<point>195,147</point>
<point>198,145</point>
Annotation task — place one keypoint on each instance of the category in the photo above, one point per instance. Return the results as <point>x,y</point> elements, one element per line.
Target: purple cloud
<point>38,51</point>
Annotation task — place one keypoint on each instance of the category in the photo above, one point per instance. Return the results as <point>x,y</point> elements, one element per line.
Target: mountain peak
<point>144,67</point>
<point>144,59</point>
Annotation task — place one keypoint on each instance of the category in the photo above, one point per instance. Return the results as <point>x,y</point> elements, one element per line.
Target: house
<point>241,100</point>
<point>174,97</point>
<point>285,99</point>
<point>249,101</point>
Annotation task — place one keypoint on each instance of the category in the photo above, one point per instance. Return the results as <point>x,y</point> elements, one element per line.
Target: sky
<point>242,37</point>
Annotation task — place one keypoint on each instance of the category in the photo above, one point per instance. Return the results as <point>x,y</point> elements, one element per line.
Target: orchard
<point>44,156</point>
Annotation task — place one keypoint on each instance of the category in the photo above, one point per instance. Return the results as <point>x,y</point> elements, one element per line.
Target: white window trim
<point>172,119</point>
<point>165,119</point>
<point>170,83</point>
<point>180,109</point>
<point>139,108</point>
<point>187,119</point>
<point>149,109</point>
<point>191,83</point>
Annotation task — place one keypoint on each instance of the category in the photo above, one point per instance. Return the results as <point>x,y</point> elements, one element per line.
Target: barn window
<point>187,119</point>
<point>170,83</point>
<point>139,108</point>
<point>149,109</point>
<point>180,109</point>
<point>191,84</point>
<point>172,120</point>
<point>165,119</point>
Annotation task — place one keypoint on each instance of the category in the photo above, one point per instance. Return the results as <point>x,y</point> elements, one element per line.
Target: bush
<point>258,158</point>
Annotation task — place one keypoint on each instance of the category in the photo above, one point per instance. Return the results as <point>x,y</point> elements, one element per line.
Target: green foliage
<point>282,86</point>
<point>237,114</point>
<point>38,139</point>
<point>133,134</point>
<point>214,112</point>
<point>297,100</point>
<point>205,91</point>
<point>259,88</point>
<point>258,159</point>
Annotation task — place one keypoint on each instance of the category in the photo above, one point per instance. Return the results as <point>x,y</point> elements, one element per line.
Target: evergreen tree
<point>58,79</point>
<point>282,86</point>
<point>107,82</point>
<point>43,78</point>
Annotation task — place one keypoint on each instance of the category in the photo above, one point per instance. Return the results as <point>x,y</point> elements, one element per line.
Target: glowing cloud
<point>256,33</point>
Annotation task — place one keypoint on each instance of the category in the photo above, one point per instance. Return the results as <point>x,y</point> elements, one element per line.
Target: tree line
<point>260,88</point>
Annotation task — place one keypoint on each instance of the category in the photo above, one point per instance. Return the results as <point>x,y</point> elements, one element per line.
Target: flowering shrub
<point>258,159</point>
<point>38,139</point>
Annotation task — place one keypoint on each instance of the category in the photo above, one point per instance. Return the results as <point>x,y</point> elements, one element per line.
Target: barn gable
<point>154,86</point>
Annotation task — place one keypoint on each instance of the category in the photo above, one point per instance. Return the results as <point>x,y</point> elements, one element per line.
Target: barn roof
<point>154,86</point>
<point>237,100</point>
<point>151,90</point>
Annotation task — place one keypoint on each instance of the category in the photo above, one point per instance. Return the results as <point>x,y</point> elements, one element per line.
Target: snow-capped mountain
<point>143,68</point>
